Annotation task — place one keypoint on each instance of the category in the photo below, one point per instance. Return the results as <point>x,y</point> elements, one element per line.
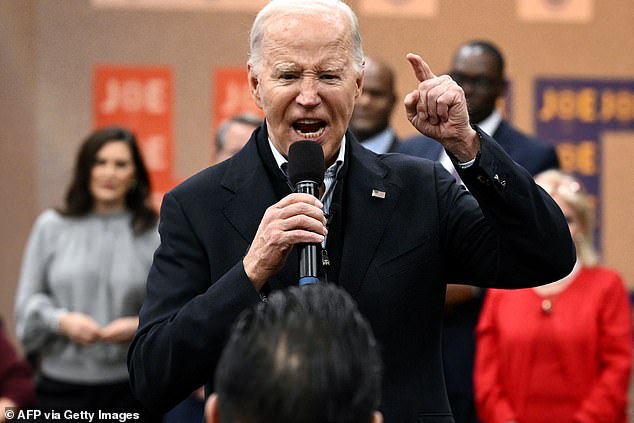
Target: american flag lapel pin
<point>378,194</point>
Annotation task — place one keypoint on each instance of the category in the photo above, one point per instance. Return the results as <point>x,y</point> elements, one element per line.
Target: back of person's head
<point>567,188</point>
<point>79,199</point>
<point>306,355</point>
<point>326,9</point>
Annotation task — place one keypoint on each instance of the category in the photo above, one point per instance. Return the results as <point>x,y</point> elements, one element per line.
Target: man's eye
<point>329,76</point>
<point>288,76</point>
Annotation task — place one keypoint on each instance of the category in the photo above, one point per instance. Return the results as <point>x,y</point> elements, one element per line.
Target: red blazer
<point>571,364</point>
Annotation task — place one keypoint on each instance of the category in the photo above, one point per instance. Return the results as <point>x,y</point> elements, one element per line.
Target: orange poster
<point>140,99</point>
<point>231,95</point>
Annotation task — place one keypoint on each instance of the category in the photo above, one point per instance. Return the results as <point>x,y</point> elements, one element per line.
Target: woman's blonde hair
<point>569,189</point>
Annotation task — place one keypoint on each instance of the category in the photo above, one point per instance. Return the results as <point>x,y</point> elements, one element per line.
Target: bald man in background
<point>373,108</point>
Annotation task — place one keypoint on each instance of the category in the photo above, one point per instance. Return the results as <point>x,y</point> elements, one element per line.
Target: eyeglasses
<point>479,82</point>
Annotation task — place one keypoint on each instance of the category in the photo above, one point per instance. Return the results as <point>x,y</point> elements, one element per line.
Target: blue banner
<point>573,113</point>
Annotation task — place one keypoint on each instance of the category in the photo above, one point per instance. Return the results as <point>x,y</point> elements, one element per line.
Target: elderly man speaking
<point>392,230</point>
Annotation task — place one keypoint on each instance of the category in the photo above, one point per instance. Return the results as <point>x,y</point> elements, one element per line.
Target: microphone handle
<point>308,252</point>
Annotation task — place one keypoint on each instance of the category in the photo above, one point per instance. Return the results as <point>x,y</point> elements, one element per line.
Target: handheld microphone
<point>306,168</point>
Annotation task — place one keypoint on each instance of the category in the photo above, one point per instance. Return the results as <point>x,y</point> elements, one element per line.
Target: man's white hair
<point>275,8</point>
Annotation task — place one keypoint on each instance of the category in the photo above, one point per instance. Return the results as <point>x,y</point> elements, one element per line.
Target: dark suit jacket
<point>397,254</point>
<point>532,154</point>
<point>459,325</point>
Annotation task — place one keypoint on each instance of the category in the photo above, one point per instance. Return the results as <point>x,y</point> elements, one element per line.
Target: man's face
<point>306,83</point>
<point>375,104</point>
<point>476,72</point>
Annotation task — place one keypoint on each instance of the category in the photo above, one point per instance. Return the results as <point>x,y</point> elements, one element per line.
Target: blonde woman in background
<point>559,352</point>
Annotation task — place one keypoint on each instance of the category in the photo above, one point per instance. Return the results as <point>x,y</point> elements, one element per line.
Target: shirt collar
<point>491,123</point>
<point>381,142</point>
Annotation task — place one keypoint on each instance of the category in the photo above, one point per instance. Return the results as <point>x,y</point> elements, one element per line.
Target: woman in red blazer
<point>560,352</point>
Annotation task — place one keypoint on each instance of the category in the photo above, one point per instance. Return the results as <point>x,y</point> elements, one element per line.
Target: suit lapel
<point>369,202</point>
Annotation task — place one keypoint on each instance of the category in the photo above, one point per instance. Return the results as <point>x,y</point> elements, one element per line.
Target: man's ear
<point>359,83</point>
<point>211,409</point>
<point>254,87</point>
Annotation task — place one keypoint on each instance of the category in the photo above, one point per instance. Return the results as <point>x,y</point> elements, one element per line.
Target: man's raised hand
<point>438,108</point>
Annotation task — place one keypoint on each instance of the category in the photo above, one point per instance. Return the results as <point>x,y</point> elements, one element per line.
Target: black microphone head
<point>306,162</point>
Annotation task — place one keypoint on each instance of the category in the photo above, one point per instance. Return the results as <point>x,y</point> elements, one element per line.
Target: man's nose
<point>308,95</point>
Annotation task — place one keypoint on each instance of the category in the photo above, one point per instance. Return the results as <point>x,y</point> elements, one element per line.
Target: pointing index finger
<point>421,69</point>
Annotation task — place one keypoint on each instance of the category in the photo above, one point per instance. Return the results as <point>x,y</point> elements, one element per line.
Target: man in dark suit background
<point>398,227</point>
<point>478,67</point>
<point>370,121</point>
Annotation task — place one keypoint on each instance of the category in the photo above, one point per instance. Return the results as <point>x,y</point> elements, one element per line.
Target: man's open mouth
<point>310,128</point>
